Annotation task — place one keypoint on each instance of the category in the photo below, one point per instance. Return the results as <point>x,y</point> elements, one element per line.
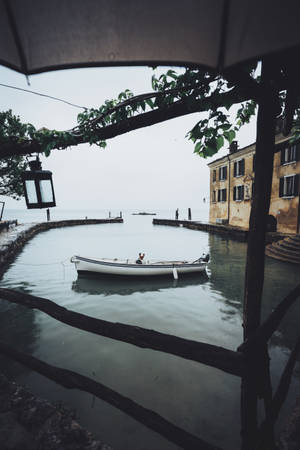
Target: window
<point>213,197</point>
<point>289,186</point>
<point>223,173</point>
<point>289,154</point>
<point>239,168</point>
<point>222,194</point>
<point>214,175</point>
<point>238,193</point>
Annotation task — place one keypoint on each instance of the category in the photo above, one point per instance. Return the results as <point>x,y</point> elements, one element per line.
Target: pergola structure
<point>218,35</point>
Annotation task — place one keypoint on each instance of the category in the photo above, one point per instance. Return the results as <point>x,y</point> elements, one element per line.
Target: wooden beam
<point>177,109</point>
<point>278,399</point>
<point>254,275</point>
<point>73,380</point>
<point>218,357</point>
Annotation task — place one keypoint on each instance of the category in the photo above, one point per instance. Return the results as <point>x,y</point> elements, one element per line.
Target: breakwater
<point>224,230</point>
<point>12,242</point>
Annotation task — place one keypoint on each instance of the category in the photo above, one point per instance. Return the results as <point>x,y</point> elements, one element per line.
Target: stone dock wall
<point>223,230</point>
<point>12,242</point>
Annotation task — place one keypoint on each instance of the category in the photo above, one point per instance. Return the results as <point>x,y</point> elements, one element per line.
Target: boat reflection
<point>108,285</point>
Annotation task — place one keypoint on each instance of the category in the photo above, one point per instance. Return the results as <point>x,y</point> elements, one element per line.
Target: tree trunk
<point>254,276</point>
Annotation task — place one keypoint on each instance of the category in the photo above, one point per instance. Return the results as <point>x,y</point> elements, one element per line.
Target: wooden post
<point>254,275</point>
<point>189,214</point>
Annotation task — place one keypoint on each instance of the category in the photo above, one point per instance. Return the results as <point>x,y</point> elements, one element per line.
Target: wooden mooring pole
<point>254,275</point>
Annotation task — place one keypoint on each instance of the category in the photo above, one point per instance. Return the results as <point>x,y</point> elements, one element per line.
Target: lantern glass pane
<point>46,191</point>
<point>31,191</point>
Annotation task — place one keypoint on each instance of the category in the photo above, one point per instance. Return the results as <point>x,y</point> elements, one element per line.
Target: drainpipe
<point>228,198</point>
<point>298,220</point>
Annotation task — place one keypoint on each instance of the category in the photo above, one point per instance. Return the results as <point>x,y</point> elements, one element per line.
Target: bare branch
<point>265,331</point>
<point>73,380</point>
<point>218,357</point>
<point>279,397</point>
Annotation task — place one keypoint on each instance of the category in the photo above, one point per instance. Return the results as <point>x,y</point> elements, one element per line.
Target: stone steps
<point>287,249</point>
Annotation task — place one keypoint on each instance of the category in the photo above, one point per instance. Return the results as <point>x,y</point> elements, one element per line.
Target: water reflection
<point>227,269</point>
<point>105,285</point>
<point>19,329</point>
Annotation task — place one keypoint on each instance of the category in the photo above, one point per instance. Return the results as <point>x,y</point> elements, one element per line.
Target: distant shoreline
<point>143,214</point>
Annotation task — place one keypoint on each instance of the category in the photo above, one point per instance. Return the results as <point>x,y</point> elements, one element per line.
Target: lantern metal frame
<point>36,174</point>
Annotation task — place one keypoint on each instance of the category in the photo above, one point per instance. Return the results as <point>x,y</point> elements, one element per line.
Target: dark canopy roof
<point>40,35</point>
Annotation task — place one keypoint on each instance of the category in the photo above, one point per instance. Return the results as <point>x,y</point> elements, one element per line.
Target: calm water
<point>202,400</point>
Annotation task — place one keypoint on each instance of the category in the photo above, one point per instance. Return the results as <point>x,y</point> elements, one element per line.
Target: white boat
<point>131,268</point>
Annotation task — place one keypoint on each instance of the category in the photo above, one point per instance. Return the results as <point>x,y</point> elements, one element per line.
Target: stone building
<point>231,187</point>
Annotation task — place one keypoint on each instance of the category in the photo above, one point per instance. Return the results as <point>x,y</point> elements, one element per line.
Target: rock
<point>14,436</point>
<point>31,423</point>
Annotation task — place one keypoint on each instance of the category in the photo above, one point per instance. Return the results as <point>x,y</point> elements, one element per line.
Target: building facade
<point>232,181</point>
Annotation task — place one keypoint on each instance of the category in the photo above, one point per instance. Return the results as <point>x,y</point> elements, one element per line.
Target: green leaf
<point>225,126</point>
<point>220,142</point>
<point>231,135</point>
<point>150,103</point>
<point>198,147</point>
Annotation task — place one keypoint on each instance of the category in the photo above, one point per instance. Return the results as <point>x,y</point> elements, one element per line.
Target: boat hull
<point>110,267</point>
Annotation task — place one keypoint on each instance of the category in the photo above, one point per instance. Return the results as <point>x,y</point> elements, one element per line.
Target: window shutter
<point>281,181</point>
<point>253,163</point>
<point>282,156</point>
<point>242,193</point>
<point>242,167</point>
<point>234,169</point>
<point>220,173</point>
<point>225,173</point>
<point>296,185</point>
<point>234,193</point>
<point>219,194</point>
<point>225,195</point>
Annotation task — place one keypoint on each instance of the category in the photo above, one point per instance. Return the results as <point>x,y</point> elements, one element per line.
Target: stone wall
<point>224,230</point>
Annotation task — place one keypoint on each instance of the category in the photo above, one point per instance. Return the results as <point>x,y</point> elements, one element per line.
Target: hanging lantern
<point>38,186</point>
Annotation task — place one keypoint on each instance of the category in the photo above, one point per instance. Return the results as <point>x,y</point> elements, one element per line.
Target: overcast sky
<point>151,168</point>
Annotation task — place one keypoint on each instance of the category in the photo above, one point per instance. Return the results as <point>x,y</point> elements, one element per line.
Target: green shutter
<point>296,185</point>
<point>242,167</point>
<point>281,181</point>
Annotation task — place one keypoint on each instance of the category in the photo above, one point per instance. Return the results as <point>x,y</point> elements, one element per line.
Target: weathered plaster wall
<point>218,209</point>
<point>240,210</point>
<point>285,210</point>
